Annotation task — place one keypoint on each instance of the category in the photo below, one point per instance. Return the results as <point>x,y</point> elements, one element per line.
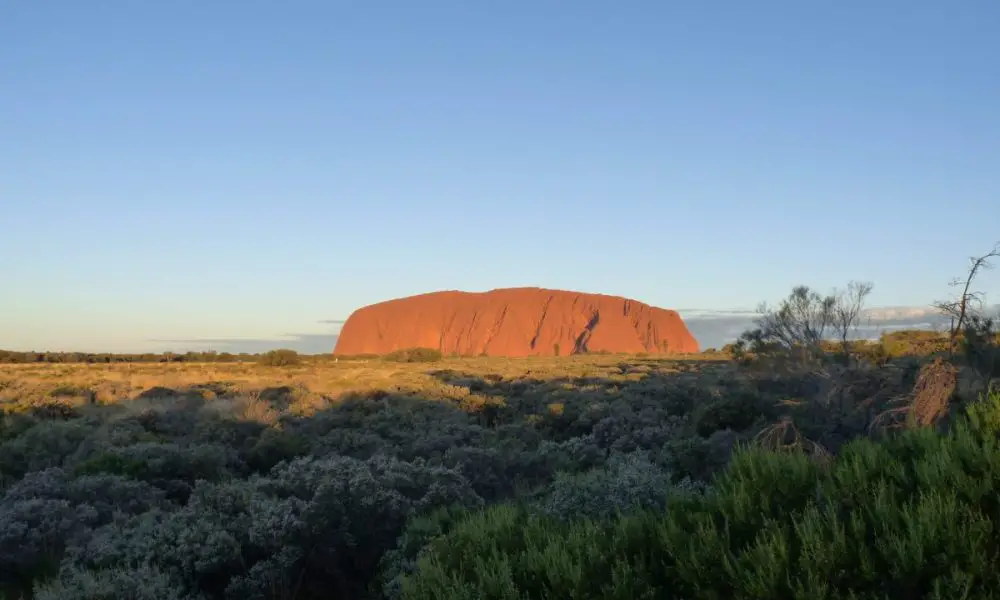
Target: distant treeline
<point>896,343</point>
<point>21,357</point>
<point>272,357</point>
<point>13,356</point>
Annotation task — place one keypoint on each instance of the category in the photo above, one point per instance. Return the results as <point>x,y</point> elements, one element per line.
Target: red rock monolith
<point>514,322</point>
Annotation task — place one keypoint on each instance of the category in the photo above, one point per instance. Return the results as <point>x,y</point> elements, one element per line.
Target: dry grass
<point>311,385</point>
<point>265,394</point>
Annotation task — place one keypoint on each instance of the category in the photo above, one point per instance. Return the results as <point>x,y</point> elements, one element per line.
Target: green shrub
<point>413,355</point>
<point>913,342</point>
<point>737,412</point>
<point>696,457</point>
<point>41,445</point>
<point>68,391</point>
<point>419,532</point>
<point>984,414</point>
<point>137,583</point>
<point>874,353</point>
<point>980,345</point>
<point>625,482</point>
<point>915,516</point>
<point>273,447</point>
<point>112,464</point>
<point>282,357</point>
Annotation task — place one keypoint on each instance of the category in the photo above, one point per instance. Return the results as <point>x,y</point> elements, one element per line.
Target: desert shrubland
<point>791,466</point>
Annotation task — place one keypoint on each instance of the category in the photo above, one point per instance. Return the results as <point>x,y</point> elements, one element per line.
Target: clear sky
<point>193,170</point>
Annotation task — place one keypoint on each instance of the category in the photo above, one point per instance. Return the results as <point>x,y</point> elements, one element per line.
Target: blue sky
<point>185,171</point>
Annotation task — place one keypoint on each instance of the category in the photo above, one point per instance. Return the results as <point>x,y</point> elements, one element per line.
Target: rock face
<point>514,322</point>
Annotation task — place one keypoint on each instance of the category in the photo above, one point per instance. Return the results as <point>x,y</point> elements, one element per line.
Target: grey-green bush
<point>914,516</point>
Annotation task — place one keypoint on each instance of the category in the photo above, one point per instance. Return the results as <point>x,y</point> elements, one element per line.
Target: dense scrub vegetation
<point>414,355</point>
<point>913,516</point>
<point>806,468</point>
<point>281,357</point>
<point>188,494</point>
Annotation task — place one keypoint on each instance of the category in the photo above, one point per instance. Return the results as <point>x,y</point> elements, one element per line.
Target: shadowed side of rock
<point>515,322</point>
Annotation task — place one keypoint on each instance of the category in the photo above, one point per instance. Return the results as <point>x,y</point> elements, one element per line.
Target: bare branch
<point>968,302</point>
<point>847,311</point>
<point>803,320</point>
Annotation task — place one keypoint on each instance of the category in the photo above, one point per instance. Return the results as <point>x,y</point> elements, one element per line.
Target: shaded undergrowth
<point>210,491</point>
<point>911,516</point>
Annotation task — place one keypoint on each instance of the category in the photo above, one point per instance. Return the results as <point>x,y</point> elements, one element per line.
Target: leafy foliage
<point>282,357</point>
<point>980,345</point>
<point>910,517</point>
<point>411,355</point>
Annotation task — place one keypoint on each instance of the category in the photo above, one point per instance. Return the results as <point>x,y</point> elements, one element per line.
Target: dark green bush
<point>112,464</point>
<point>419,532</point>
<point>68,391</point>
<point>915,516</point>
<point>696,457</point>
<point>274,446</point>
<point>413,355</point>
<point>282,357</point>
<point>737,412</point>
<point>980,345</point>
<point>42,444</point>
